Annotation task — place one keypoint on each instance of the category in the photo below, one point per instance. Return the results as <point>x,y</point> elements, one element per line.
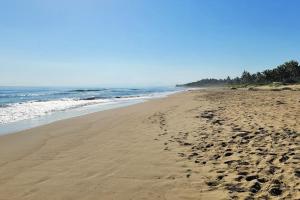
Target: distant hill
<point>289,72</point>
<point>205,83</point>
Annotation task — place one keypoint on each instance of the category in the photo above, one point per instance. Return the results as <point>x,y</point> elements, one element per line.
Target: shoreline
<point>27,124</point>
<point>203,144</point>
<point>15,127</point>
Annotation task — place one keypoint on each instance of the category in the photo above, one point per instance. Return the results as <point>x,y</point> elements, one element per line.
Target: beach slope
<point>216,144</point>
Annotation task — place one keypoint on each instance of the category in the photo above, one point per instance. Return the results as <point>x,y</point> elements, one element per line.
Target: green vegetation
<point>287,73</point>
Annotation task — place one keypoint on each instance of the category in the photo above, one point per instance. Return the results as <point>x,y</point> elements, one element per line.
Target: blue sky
<point>142,43</point>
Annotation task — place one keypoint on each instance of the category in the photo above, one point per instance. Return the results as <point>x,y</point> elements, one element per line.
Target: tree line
<point>286,73</point>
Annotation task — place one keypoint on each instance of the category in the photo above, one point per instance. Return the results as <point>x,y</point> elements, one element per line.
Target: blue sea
<point>26,107</point>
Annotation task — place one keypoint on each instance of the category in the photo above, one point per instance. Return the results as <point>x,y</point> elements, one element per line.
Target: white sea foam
<point>33,109</point>
<point>28,110</point>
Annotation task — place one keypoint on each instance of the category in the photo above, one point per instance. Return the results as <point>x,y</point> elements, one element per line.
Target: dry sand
<point>195,145</point>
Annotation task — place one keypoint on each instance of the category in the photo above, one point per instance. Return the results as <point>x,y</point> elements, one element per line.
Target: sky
<point>142,42</point>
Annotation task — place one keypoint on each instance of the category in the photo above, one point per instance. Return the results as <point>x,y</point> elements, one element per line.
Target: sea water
<point>26,107</point>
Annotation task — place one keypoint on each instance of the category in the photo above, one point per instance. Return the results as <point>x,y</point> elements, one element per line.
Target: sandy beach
<point>204,144</point>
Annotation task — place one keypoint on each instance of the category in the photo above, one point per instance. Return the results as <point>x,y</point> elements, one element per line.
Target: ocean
<point>27,107</point>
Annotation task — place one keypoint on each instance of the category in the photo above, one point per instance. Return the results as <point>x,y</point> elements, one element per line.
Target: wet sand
<point>216,144</point>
